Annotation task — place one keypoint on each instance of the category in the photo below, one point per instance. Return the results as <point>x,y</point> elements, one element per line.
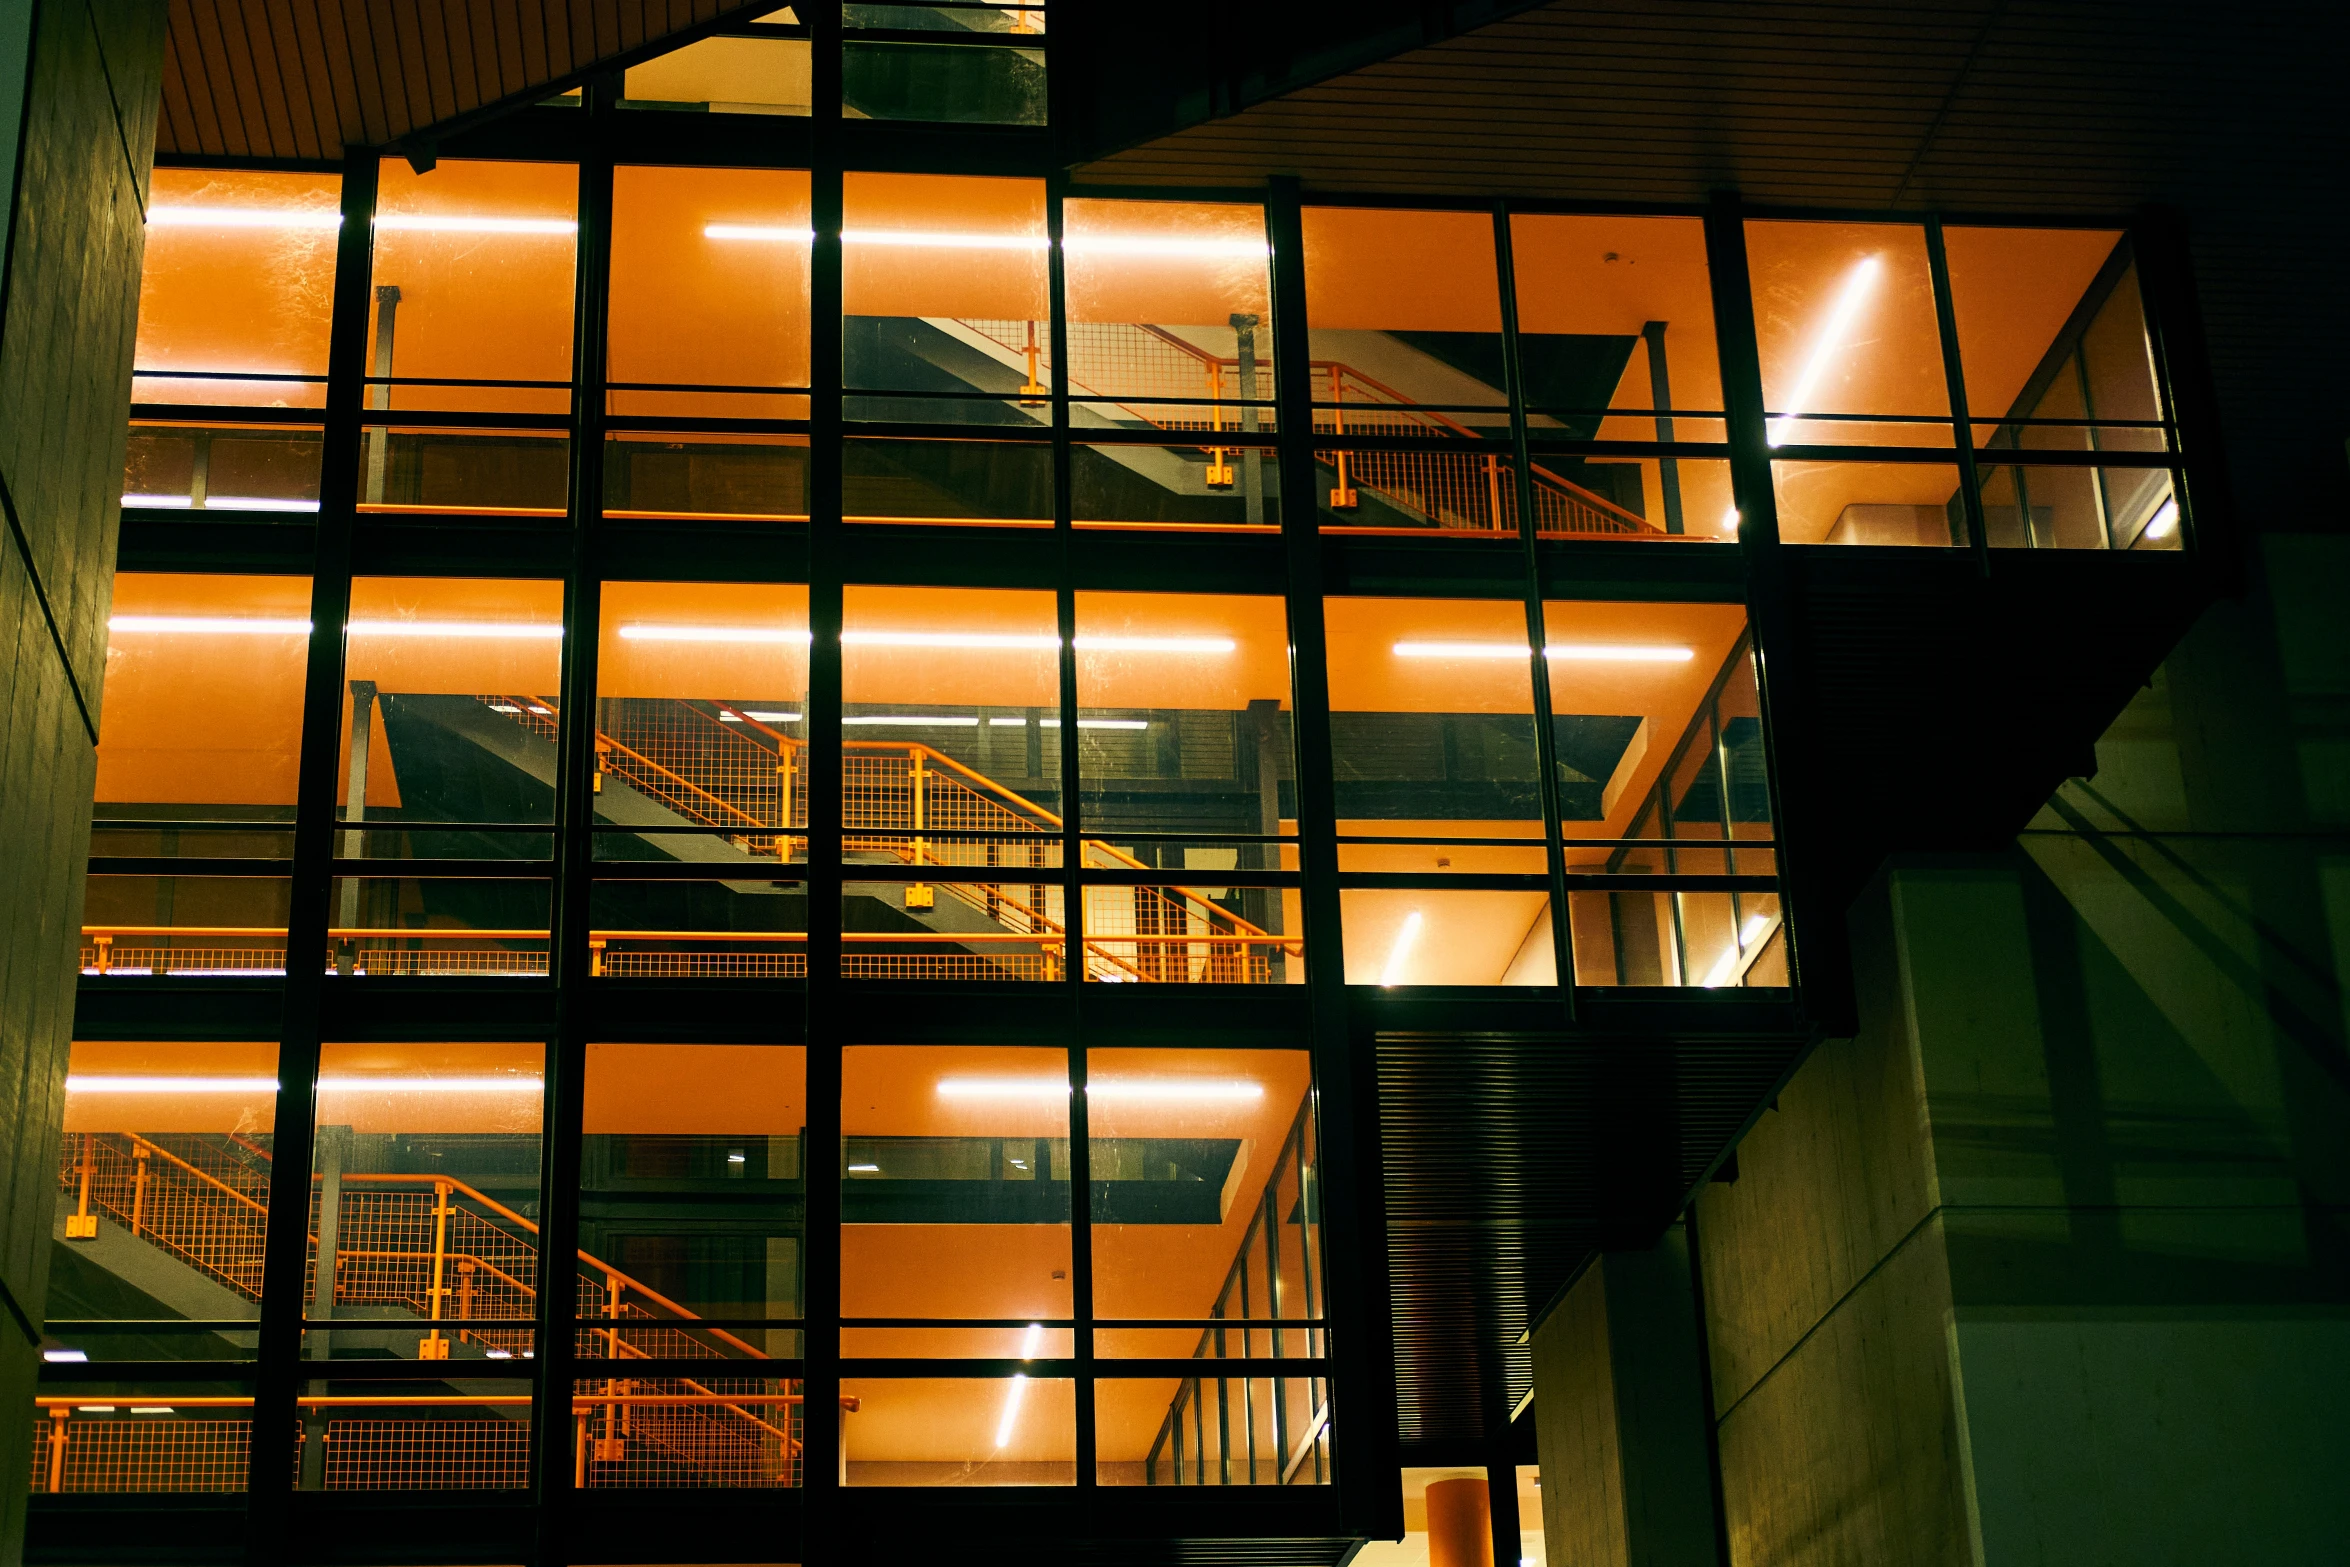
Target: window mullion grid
<point>821,1462</point>
<point>1970,487</point>
<point>1072,848</point>
<point>1812,917</point>
<point>1562,939</point>
<point>285,1261</point>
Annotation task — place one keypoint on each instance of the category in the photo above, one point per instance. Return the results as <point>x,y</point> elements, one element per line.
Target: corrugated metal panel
<point>306,78</point>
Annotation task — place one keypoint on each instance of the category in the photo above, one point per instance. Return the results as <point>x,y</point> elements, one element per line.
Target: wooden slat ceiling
<point>306,78</point>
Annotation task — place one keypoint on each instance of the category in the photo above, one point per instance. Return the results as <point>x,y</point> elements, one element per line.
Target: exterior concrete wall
<point>84,124</point>
<point>2052,1263</point>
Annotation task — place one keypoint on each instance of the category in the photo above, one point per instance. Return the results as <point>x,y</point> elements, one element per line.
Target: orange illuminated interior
<point>1000,281</point>
<point>758,666</point>
<point>220,290</point>
<point>1370,269</point>
<point>195,719</point>
<point>241,1105</point>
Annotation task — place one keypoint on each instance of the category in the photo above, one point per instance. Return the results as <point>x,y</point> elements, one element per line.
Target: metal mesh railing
<point>203,1199</point>
<point>115,1452</point>
<point>687,1432</point>
<point>485,1452</point>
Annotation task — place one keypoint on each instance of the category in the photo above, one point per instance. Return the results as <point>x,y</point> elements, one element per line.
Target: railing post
<point>57,1432</point>
<point>138,1187</point>
<point>435,1347</point>
<point>82,1224</point>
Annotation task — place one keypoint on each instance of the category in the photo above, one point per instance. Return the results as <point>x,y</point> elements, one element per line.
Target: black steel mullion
<point>1801,825</point>
<point>285,1257</point>
<point>568,955</point>
<point>1970,485</point>
<point>822,1461</point>
<point>1562,941</point>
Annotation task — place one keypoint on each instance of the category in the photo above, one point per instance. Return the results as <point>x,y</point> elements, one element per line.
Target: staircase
<point>409,1252</point>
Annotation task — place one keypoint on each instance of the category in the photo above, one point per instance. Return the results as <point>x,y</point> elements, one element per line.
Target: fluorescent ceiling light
<point>170,1085</point>
<point>65,1356</point>
<point>1156,644</point>
<point>1129,1090</point>
<point>1590,652</point>
<point>1753,929</point>
<point>243,218</point>
<point>211,625</point>
<point>940,239</point>
<point>219,502</point>
<point>1857,284</point>
<point>504,630</point>
<point>913,721</point>
<point>2162,524</point>
<point>651,633</point>
<point>1014,640</point>
<point>429,1085</point>
<point>864,1169</point>
<point>1082,723</point>
<point>328,1085</point>
<point>1032,1341</point>
<point>1011,1417</point>
<point>1405,939</point>
<point>421,223</point>
<point>1730,520</point>
<point>763,716</point>
<point>972,641</point>
<point>150,1409</point>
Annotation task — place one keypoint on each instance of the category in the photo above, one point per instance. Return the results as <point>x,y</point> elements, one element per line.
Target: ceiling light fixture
<point>1405,939</point>
<point>211,625</point>
<point>1011,1417</point>
<point>935,239</point>
<point>911,721</point>
<point>969,641</point>
<point>2165,521</point>
<point>1857,284</point>
<point>498,630</point>
<point>243,218</point>
<point>326,1085</point>
<point>1130,1090</point>
<point>1589,652</point>
<point>420,223</point>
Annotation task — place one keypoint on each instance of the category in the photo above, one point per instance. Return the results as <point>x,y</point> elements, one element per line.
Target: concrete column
<point>79,89</point>
<point>1619,1418</point>
<point>1460,1523</point>
<point>2048,1263</point>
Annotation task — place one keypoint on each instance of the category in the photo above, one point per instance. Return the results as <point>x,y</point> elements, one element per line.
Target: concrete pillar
<point>1460,1523</point>
<point>1619,1418</point>
<point>2047,1264</point>
<point>79,88</point>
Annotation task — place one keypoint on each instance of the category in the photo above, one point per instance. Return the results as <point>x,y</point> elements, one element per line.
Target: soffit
<point>306,78</point>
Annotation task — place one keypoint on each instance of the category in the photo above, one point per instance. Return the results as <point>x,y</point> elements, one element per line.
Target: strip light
<point>2164,522</point>
<point>931,239</point>
<point>1857,284</point>
<point>243,218</point>
<point>210,625</point>
<point>262,625</point>
<point>221,502</point>
<point>1129,1090</point>
<point>326,1085</point>
<point>1405,940</point>
<point>972,641</point>
<point>1588,652</point>
<point>1748,934</point>
<point>418,223</point>
<point>1082,723</point>
<point>912,721</point>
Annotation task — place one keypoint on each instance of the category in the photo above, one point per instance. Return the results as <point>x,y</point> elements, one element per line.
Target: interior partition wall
<point>849,744</point>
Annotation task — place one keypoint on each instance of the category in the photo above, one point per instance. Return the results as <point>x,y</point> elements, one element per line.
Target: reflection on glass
<point>2053,340</point>
<point>127,1438</point>
<point>955,84</point>
<point>194,467</point>
<point>965,1431</point>
<point>207,927</point>
<point>1123,486</point>
<point>955,1187</point>
<point>1616,327</point>
<point>710,286</point>
<point>702,476</point>
<point>1004,483</point>
<point>943,293</point>
<point>693,1199</point>
<point>473,281</point>
<point>1405,320</point>
<point>163,1199</point>
<point>1851,345</point>
<point>238,281</point>
<point>1218,1431</point>
<point>1447,936</point>
<point>424,1239</point>
<point>1883,503</point>
<point>2048,508</point>
<point>687,1432</point>
<point>465,472</point>
<point>723,76</point>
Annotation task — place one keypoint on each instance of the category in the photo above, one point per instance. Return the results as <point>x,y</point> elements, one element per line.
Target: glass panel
<point>1627,681</point>
<point>942,83</point>
<point>1206,1199</point>
<point>1213,1431</point>
<point>679,1433</point>
<point>943,290</point>
<point>731,927</point>
<point>1405,318</point>
<point>1851,346</point>
<point>986,931</point>
<point>1431,721</point>
<point>477,1439</point>
<point>202,717</point>
<point>445,469</point>
<point>997,482</point>
<point>473,281</point>
<point>1710,940</point>
<point>927,676</point>
<point>710,283</point>
<point>232,468</point>
<point>959,1430</point>
<point>427,1172</point>
<point>1218,487</point>
<point>723,76</point>
<point>954,16</point>
<point>449,711</point>
<point>1190,935</point>
<point>163,1202</point>
<point>1447,936</point>
<point>238,279</point>
<point>123,1437</point>
<point>1463,489</point>
<point>1887,503</point>
<point>2050,328</point>
<point>693,1198</point>
<point>1616,322</point>
<point>700,734</point>
<point>1170,314</point>
<point>186,926</point>
<point>683,476</point>
<point>2080,508</point>
<point>440,927</point>
<point>955,1190</point>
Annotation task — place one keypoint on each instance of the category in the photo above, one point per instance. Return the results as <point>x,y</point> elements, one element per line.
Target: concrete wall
<point>81,120</point>
<point>2052,1263</point>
